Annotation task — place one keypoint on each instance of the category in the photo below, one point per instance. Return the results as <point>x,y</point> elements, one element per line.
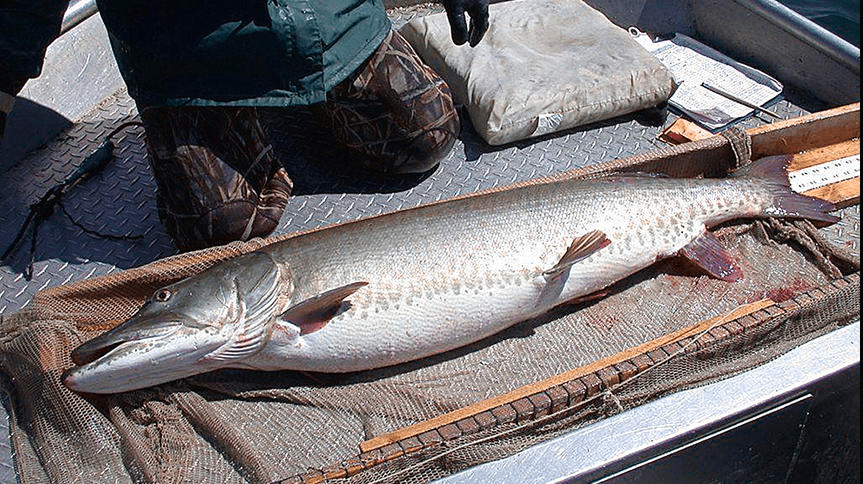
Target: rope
<point>741,145</point>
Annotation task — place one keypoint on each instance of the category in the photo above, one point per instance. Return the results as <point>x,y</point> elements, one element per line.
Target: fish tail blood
<point>786,203</point>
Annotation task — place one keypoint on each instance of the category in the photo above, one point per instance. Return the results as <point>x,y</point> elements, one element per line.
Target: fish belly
<point>490,280</point>
<point>457,274</point>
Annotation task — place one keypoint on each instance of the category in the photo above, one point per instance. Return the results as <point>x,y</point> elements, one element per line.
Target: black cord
<point>122,127</point>
<point>44,207</point>
<point>116,238</point>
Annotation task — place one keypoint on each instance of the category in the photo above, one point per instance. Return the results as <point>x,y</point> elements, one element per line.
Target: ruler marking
<point>817,176</point>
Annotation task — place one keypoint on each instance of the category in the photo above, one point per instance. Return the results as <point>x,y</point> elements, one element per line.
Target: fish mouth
<point>83,354</point>
<point>115,356</point>
<point>133,330</point>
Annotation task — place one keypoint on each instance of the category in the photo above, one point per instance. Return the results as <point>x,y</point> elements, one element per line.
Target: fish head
<point>199,324</point>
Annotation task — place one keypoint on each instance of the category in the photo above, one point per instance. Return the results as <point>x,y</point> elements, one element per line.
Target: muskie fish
<point>410,284</point>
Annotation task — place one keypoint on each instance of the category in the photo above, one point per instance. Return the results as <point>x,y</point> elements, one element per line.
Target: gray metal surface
<point>772,42</point>
<point>586,451</point>
<point>78,74</point>
<point>122,200</point>
<point>7,466</point>
<point>328,189</point>
<point>808,31</point>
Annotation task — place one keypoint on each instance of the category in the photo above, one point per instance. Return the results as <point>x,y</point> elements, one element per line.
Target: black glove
<point>478,11</point>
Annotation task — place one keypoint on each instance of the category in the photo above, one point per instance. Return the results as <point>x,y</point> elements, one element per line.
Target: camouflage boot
<point>394,110</point>
<point>217,178</point>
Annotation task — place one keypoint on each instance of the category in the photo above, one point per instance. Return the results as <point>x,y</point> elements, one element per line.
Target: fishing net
<point>646,338</point>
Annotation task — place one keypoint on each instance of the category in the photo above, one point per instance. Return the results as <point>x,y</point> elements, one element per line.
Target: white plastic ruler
<point>817,176</point>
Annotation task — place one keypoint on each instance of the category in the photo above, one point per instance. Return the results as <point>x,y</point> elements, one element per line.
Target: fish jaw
<point>178,351</point>
<point>200,324</point>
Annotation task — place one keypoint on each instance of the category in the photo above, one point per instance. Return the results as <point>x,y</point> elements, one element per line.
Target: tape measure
<point>817,176</point>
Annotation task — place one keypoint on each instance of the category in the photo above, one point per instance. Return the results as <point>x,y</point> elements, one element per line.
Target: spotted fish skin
<point>410,284</point>
<point>449,274</point>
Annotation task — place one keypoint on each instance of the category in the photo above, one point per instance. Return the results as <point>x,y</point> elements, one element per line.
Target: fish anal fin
<point>315,312</point>
<point>580,248</point>
<point>707,253</point>
<point>311,327</point>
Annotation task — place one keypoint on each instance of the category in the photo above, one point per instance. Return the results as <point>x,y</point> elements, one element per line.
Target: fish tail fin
<point>786,202</point>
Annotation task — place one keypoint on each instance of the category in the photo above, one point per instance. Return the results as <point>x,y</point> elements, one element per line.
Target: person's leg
<point>217,178</point>
<point>394,109</point>
<point>27,27</point>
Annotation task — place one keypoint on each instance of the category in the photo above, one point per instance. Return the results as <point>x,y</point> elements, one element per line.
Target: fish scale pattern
<point>329,187</point>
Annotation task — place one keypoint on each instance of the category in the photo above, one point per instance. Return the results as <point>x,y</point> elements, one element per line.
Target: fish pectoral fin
<point>580,248</point>
<point>315,312</point>
<point>706,252</point>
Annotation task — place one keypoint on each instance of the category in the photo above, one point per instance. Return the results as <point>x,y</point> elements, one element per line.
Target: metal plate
<point>633,446</point>
<point>328,189</point>
<point>7,467</point>
<point>121,200</point>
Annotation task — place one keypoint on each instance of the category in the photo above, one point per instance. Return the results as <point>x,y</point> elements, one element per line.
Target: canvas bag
<point>542,67</point>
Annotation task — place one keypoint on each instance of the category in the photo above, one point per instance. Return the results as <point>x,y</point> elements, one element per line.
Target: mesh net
<point>678,366</point>
<point>244,426</point>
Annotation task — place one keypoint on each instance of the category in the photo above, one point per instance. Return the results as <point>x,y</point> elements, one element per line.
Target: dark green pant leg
<point>27,27</point>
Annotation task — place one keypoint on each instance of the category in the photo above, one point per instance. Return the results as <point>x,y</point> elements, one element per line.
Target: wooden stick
<point>841,194</point>
<point>818,156</point>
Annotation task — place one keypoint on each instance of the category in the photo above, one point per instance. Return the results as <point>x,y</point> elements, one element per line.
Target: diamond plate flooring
<point>329,187</point>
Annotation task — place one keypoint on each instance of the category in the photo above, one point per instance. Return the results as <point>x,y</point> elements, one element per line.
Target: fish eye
<point>162,295</point>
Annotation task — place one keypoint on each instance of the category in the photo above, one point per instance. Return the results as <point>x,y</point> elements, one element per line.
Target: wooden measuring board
<point>831,173</point>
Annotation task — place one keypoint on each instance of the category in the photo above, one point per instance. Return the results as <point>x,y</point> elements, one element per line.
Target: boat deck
<point>121,200</point>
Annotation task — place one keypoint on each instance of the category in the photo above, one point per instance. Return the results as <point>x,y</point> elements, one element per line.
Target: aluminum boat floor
<point>121,201</point>
<point>328,186</point>
<point>328,189</point>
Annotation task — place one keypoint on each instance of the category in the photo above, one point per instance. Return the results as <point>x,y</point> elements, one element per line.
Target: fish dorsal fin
<point>580,248</point>
<point>706,252</point>
<point>315,312</point>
